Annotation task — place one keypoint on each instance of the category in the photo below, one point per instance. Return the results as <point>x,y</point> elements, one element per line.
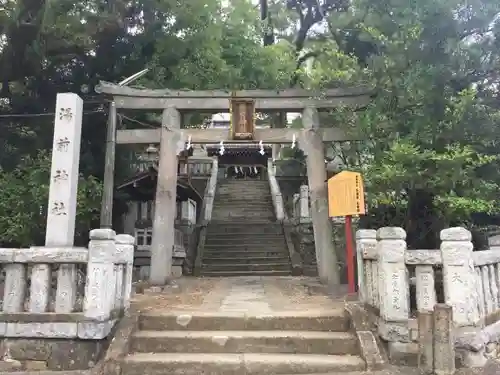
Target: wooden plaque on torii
<point>242,122</point>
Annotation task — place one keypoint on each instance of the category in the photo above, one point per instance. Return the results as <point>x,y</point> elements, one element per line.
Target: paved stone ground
<point>257,294</point>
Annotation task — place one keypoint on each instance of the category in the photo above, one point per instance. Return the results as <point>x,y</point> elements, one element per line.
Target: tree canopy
<point>430,158</point>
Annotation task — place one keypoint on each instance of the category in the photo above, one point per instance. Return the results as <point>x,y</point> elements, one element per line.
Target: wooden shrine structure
<point>242,105</point>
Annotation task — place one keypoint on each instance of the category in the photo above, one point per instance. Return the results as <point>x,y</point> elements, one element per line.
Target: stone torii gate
<point>242,105</point>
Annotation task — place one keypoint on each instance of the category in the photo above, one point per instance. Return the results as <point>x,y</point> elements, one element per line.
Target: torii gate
<point>242,105</point>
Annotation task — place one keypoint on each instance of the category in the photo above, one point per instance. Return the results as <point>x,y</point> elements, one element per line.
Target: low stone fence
<point>60,303</point>
<point>470,285</point>
<point>142,254</point>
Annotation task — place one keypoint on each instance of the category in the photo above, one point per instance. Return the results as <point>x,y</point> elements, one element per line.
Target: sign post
<point>346,198</point>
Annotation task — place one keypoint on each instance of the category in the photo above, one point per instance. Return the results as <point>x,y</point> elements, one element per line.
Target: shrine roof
<point>146,180</point>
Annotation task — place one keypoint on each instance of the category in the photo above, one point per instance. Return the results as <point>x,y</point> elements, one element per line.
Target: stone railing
<point>208,199</point>
<point>289,168</point>
<point>195,168</point>
<point>206,216</point>
<point>279,209</point>
<point>67,308</point>
<point>467,281</point>
<point>142,253</point>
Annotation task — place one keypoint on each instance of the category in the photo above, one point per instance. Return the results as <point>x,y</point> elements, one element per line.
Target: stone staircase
<point>243,237</point>
<point>222,343</point>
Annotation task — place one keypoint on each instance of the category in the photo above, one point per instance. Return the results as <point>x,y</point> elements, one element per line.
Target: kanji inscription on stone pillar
<point>61,210</point>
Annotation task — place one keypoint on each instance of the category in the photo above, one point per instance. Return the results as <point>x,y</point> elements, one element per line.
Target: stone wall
<point>38,354</point>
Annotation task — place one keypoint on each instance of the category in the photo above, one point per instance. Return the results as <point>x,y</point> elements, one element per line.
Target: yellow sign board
<point>346,194</point>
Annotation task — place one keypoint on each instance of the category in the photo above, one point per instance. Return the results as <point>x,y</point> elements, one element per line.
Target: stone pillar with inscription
<point>459,276</point>
<point>393,287</point>
<point>61,211</point>
<point>366,240</point>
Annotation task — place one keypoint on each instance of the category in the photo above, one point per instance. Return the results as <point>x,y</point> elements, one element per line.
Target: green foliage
<point>24,197</point>
<point>431,133</point>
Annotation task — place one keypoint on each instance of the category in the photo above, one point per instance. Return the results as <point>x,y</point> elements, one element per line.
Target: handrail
<point>206,215</point>
<point>208,200</point>
<point>275,193</point>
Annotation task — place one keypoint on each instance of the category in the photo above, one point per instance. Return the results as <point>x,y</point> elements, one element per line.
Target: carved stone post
<point>100,284</point>
<point>366,239</point>
<point>304,212</point>
<point>125,250</point>
<point>109,170</point>
<point>425,321</point>
<point>459,276</point>
<point>295,206</point>
<point>444,350</point>
<point>312,143</point>
<point>165,201</point>
<point>394,287</point>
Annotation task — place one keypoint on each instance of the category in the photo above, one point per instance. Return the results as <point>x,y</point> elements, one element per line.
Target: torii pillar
<point>162,243</point>
<point>311,142</point>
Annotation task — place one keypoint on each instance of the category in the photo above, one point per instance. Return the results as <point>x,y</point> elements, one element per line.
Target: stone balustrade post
<point>443,340</point>
<point>305,212</point>
<point>459,276</point>
<point>295,205</point>
<point>394,286</point>
<point>188,212</point>
<point>494,242</point>
<point>125,249</point>
<point>99,288</point>
<point>366,239</point>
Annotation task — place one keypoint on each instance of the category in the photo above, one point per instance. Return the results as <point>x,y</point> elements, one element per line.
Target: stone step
<point>247,237</point>
<point>245,244</point>
<point>238,273</point>
<point>246,260</point>
<point>248,252</point>
<point>238,193</point>
<point>245,185</point>
<point>281,266</point>
<point>234,228</point>
<point>237,364</point>
<point>239,211</point>
<point>333,320</point>
<point>246,232</point>
<point>250,219</point>
<point>214,241</point>
<point>247,205</point>
<point>240,197</point>
<point>216,254</point>
<point>299,342</point>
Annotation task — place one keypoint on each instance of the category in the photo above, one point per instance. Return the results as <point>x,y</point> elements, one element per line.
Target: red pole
<point>350,254</point>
